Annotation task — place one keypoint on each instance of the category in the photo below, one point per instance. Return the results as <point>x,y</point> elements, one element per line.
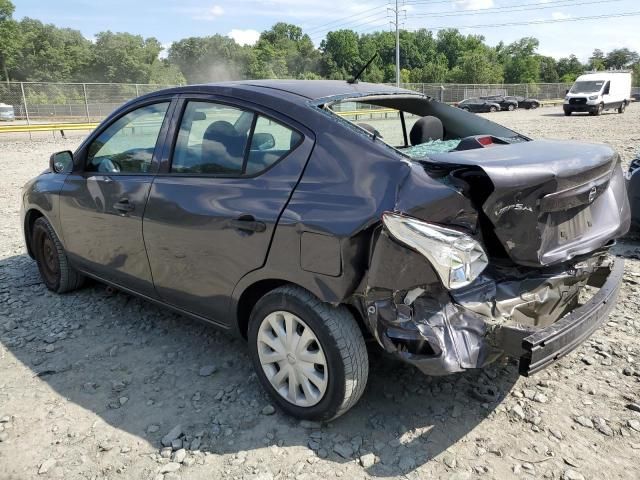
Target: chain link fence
<point>91,102</point>
<point>69,102</point>
<point>456,92</point>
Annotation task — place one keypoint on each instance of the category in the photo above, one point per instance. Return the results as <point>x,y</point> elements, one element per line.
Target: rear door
<point>102,204</point>
<point>215,203</point>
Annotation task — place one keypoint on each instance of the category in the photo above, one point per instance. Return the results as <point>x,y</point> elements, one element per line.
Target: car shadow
<point>139,368</point>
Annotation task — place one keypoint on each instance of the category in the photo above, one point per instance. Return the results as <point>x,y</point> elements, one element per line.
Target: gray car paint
<point>348,181</point>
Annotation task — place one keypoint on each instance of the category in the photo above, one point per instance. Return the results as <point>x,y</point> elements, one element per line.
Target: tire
<point>511,107</point>
<point>493,109</point>
<point>622,107</point>
<point>342,363</point>
<point>534,106</point>
<point>600,109</point>
<point>55,271</point>
<point>567,113</point>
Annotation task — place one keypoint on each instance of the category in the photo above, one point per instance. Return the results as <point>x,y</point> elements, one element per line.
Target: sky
<point>243,20</point>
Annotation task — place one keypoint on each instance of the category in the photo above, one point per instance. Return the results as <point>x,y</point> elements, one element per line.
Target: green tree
<point>341,54</point>
<point>569,68</point>
<point>208,59</point>
<point>52,54</point>
<point>521,64</point>
<point>621,58</point>
<point>9,38</point>
<point>548,69</point>
<point>597,60</point>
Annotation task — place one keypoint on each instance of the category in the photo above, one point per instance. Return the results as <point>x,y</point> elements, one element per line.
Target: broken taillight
<point>457,258</point>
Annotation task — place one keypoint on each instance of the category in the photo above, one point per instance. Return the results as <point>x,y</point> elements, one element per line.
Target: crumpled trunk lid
<point>546,201</point>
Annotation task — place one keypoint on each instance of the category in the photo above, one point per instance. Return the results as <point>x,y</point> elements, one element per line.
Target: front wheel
<point>493,109</point>
<point>55,271</point>
<point>511,107</point>
<point>310,356</point>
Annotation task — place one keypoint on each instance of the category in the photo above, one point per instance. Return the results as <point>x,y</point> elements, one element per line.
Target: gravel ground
<point>93,384</point>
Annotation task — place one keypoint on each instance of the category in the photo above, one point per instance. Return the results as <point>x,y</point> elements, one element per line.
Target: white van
<point>599,91</point>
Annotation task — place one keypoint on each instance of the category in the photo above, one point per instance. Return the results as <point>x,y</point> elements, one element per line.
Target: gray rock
<point>153,428</point>
<point>588,360</point>
<point>123,400</point>
<point>47,465</point>
<point>518,412</point>
<point>207,370</point>
<point>367,460</point>
<point>310,424</point>
<point>166,452</point>
<point>572,475</point>
<point>556,433</point>
<point>268,410</point>
<point>635,424</point>
<point>173,434</point>
<point>180,455</point>
<point>584,421</point>
<point>176,444</point>
<point>634,406</point>
<point>195,444</point>
<point>602,427</point>
<point>540,398</point>
<point>343,449</point>
<point>4,436</point>
<point>449,459</point>
<point>170,467</point>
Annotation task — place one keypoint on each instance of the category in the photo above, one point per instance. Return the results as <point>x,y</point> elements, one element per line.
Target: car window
<point>212,139</point>
<point>127,145</point>
<point>269,143</point>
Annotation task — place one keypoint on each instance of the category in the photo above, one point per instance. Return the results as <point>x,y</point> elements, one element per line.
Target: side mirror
<point>61,162</point>
<point>262,141</point>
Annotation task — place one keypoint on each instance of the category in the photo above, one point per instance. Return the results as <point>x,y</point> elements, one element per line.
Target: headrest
<point>426,129</point>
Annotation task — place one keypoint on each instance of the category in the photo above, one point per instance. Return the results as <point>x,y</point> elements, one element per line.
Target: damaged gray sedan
<point>310,217</point>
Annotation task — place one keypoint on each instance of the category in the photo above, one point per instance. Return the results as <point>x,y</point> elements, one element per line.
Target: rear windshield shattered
<point>391,119</point>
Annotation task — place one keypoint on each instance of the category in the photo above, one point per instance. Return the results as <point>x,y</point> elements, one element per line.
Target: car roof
<point>307,89</point>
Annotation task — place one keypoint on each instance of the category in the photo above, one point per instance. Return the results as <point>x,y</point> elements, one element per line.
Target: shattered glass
<point>435,146</point>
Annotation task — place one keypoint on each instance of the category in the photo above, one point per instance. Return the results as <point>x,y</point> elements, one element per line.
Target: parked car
<point>478,105</point>
<point>525,102</point>
<point>7,113</point>
<point>506,103</point>
<point>256,207</point>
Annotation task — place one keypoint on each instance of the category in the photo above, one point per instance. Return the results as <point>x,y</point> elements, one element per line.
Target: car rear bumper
<point>536,350</point>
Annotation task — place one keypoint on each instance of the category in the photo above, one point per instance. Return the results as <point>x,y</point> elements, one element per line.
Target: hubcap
<point>292,359</point>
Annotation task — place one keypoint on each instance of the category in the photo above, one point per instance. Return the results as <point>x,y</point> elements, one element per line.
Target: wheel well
<point>255,292</point>
<point>250,297</point>
<point>29,219</point>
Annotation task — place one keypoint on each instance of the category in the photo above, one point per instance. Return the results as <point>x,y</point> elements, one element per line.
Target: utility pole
<point>396,12</point>
<point>397,48</point>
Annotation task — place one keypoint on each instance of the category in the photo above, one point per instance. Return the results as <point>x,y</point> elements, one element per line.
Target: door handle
<point>123,206</point>
<point>247,223</point>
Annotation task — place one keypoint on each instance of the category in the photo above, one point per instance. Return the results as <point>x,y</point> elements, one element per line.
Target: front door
<point>211,216</point>
<point>101,206</point>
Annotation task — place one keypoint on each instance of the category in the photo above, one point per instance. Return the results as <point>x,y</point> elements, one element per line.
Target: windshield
<point>587,87</point>
<point>6,109</point>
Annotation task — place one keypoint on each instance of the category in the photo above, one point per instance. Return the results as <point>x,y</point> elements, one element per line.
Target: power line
<point>353,16</point>
<point>374,21</point>
<point>536,6</point>
<point>536,22</point>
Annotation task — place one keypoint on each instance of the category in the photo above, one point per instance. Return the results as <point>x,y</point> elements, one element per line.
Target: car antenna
<point>357,75</point>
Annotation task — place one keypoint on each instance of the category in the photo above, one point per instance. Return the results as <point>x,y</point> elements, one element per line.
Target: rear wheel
<point>534,106</point>
<point>56,273</point>
<point>310,356</point>
<point>511,107</point>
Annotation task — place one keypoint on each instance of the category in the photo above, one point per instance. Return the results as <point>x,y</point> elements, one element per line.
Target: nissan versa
<point>261,207</point>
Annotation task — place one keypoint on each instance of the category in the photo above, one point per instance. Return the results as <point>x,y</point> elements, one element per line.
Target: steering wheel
<point>109,165</point>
